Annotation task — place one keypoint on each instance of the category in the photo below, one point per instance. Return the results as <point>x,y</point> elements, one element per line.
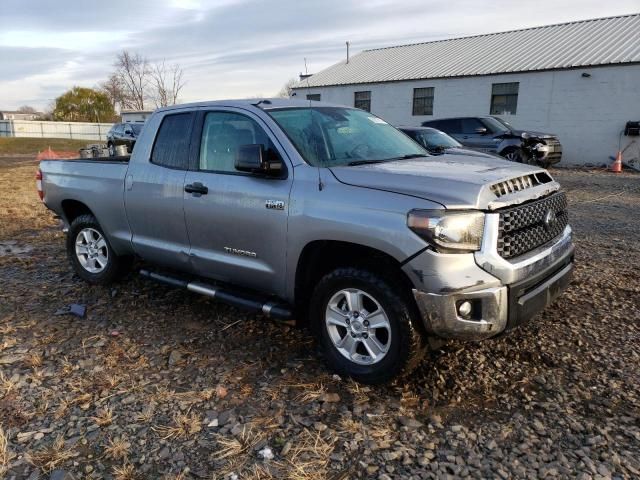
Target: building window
<point>504,98</point>
<point>362,100</point>
<point>313,96</point>
<point>423,101</point>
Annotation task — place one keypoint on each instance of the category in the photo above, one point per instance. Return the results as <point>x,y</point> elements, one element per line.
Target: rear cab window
<point>171,146</point>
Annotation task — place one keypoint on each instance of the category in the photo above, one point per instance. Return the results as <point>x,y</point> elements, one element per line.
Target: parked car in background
<point>494,135</point>
<point>123,134</point>
<point>437,142</point>
<point>323,214</point>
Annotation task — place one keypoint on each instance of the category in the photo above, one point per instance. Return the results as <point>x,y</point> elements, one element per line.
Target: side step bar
<point>267,307</point>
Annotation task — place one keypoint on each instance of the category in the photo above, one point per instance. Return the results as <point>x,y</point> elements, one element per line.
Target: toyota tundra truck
<point>324,215</point>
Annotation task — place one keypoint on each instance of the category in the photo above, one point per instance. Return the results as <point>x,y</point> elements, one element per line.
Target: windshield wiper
<point>364,162</point>
<point>403,157</point>
<point>408,156</point>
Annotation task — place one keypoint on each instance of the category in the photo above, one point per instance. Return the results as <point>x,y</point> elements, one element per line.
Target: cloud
<point>21,62</point>
<point>235,48</point>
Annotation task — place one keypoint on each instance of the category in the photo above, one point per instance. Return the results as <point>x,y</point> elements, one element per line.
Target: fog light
<point>464,309</point>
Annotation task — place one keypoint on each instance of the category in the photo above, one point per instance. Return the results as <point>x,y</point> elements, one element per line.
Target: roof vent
<point>517,184</point>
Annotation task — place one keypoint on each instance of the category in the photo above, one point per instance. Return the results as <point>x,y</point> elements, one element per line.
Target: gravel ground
<point>160,383</point>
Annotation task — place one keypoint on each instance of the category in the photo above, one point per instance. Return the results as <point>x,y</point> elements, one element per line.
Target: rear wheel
<point>90,253</point>
<point>367,329</point>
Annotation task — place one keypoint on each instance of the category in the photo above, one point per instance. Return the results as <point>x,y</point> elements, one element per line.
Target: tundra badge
<point>274,204</point>
<point>242,253</point>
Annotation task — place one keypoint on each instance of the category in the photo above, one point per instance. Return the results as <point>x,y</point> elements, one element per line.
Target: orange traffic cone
<point>616,166</point>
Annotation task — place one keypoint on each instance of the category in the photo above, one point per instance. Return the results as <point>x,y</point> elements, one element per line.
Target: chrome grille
<point>523,228</point>
<point>520,183</point>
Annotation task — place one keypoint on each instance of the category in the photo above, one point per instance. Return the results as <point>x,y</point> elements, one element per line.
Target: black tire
<point>406,345</point>
<point>514,154</point>
<point>115,266</point>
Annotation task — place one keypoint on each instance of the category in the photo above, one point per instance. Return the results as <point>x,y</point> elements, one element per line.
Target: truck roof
<point>264,103</point>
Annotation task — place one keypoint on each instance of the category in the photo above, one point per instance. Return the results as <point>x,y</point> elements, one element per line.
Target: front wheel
<point>367,328</point>
<point>514,155</point>
<point>90,253</point>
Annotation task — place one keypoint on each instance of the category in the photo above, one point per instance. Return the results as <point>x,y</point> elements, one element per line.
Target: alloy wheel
<point>358,326</point>
<point>91,250</point>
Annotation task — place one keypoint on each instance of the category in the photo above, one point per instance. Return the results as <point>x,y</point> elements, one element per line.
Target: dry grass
<point>184,426</point>
<point>310,391</point>
<point>146,415</point>
<point>117,449</point>
<point>28,146</point>
<point>230,447</point>
<point>49,458</point>
<point>6,385</point>
<point>23,203</point>
<point>62,408</point>
<point>309,456</point>
<point>125,472</point>
<point>34,360</point>
<point>359,392</point>
<point>104,417</point>
<point>5,454</point>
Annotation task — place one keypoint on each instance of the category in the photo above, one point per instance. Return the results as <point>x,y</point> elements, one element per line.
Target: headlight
<point>448,230</point>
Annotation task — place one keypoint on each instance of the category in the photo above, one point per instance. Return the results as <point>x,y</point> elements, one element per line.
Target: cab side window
<point>223,133</point>
<point>171,148</point>
<point>471,125</point>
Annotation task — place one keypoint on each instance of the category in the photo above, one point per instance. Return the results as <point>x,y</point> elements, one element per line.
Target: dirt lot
<point>160,383</point>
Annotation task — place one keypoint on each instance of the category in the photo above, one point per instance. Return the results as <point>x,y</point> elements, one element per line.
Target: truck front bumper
<point>515,293</point>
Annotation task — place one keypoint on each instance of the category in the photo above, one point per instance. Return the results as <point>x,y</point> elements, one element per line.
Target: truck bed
<point>97,183</point>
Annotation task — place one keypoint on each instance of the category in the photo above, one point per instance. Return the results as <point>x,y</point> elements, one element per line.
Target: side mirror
<point>253,159</point>
<point>249,159</point>
<point>481,130</point>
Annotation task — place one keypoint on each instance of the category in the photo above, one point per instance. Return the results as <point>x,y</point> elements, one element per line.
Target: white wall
<point>74,130</point>
<point>587,114</point>
<point>135,116</point>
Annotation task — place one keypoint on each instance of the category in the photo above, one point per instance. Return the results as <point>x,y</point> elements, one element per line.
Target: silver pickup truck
<point>324,214</point>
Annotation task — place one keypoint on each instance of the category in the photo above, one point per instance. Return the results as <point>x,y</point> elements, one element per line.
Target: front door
<point>472,136</point>
<point>154,194</point>
<point>237,222</point>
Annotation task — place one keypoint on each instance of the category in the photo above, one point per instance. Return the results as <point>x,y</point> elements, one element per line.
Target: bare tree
<point>27,109</point>
<point>133,72</point>
<point>113,88</point>
<point>167,83</point>
<point>287,88</point>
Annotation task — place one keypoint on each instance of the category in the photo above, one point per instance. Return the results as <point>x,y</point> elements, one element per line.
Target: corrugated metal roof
<point>601,41</point>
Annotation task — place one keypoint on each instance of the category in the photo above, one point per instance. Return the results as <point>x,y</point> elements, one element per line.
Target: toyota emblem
<point>549,219</point>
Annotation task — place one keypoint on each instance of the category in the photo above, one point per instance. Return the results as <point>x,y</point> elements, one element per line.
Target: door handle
<point>196,188</point>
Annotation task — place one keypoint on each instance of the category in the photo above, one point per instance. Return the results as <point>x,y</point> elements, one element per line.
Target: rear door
<point>154,194</point>
<point>471,136</point>
<point>238,227</point>
<point>450,126</point>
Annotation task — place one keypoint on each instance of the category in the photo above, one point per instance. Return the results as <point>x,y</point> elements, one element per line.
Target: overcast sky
<point>237,48</point>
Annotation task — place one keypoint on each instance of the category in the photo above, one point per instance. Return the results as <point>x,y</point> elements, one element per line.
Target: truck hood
<point>454,181</point>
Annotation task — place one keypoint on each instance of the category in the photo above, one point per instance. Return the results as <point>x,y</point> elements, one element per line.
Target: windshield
<point>137,128</point>
<point>494,125</point>
<point>436,139</point>
<point>336,136</point>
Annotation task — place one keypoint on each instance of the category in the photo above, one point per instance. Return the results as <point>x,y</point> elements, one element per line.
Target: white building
<point>135,116</point>
<point>579,80</point>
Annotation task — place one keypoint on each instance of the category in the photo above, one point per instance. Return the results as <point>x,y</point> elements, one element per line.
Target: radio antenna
<point>306,75</point>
